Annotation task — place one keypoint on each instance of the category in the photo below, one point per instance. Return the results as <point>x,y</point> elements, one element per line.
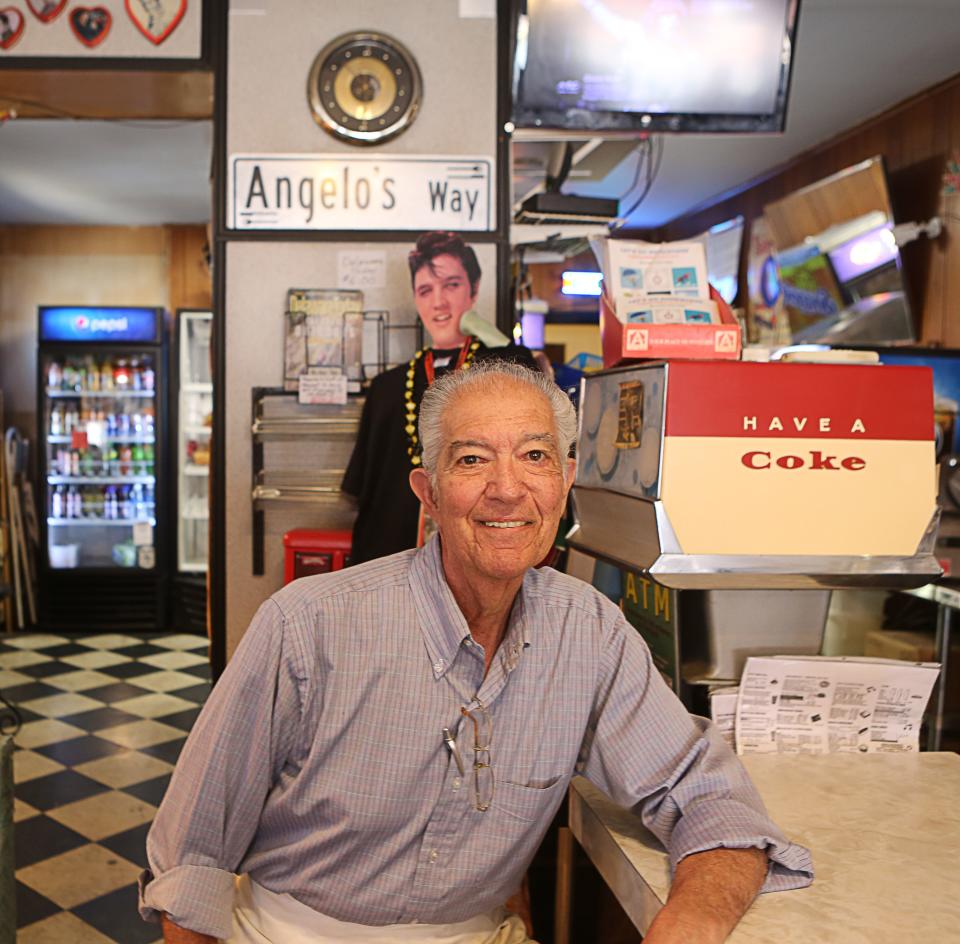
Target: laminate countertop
<point>884,831</point>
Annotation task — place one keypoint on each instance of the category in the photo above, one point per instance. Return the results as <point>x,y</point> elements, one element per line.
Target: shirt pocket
<point>529,803</point>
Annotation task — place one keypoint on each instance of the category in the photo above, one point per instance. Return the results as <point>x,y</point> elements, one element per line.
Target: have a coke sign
<point>805,459</point>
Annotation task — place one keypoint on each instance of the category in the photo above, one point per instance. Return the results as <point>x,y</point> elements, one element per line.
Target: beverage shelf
<point>110,439</point>
<point>197,387</point>
<point>100,522</point>
<point>101,479</point>
<point>196,470</point>
<point>197,430</point>
<point>76,394</point>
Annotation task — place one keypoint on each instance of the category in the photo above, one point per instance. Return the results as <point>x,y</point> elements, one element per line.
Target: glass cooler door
<point>195,413</point>
<point>100,416</point>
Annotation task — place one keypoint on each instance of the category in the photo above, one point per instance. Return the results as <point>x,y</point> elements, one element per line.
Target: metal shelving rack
<point>276,416</point>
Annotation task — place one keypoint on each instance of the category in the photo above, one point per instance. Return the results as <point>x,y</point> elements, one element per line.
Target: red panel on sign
<point>797,401</point>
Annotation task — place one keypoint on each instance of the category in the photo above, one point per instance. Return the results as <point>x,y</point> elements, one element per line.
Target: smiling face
<point>442,293</point>
<point>501,483</point>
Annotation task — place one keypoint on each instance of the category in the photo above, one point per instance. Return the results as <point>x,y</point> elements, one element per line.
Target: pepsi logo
<point>82,323</point>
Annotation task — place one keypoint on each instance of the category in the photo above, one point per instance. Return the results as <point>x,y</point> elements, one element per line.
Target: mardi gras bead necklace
<point>464,360</point>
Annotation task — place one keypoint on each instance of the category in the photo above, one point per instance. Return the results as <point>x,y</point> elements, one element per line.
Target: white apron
<point>264,917</point>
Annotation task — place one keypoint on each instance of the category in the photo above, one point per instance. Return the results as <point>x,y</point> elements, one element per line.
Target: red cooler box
<point>308,552</point>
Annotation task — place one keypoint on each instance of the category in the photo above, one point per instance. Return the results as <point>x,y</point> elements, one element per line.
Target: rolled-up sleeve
<point>232,757</point>
<point>647,752</point>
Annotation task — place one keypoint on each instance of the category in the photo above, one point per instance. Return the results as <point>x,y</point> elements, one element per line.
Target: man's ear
<point>422,488</point>
<point>570,473</point>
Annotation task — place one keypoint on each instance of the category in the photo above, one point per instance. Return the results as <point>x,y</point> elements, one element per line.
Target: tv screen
<point>653,65</point>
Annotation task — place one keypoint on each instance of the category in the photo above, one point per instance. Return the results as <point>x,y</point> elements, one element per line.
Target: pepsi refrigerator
<point>101,385</point>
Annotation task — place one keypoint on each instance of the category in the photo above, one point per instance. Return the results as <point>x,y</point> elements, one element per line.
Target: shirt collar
<point>442,623</point>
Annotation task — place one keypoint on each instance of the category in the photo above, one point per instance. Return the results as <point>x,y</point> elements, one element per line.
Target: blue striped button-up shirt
<point>318,764</point>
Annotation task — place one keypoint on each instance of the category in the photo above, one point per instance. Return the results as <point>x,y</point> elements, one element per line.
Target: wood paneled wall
<point>916,139</point>
<point>87,265</point>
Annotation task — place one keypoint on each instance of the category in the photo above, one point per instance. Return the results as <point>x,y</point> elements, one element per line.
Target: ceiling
<point>854,59</point>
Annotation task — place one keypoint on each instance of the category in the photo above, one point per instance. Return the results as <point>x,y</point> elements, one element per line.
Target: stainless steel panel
<point>637,534</point>
<point>615,527</point>
<point>722,627</point>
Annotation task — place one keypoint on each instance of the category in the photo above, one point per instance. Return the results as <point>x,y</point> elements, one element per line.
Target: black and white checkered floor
<point>104,719</point>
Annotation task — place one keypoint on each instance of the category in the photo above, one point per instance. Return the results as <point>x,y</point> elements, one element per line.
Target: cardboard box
<point>623,343</point>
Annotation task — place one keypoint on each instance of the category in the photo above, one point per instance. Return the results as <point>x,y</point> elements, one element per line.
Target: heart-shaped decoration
<point>11,26</point>
<point>156,19</point>
<point>46,10</point>
<point>90,24</point>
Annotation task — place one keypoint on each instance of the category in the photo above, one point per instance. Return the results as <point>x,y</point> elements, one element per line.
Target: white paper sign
<point>363,192</point>
<point>146,557</point>
<point>143,534</point>
<point>723,712</point>
<point>96,433</point>
<point>362,269</point>
<point>323,388</point>
<point>634,269</point>
<point>816,705</point>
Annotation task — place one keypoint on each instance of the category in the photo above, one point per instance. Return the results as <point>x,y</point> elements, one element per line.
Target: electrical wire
<point>641,153</point>
<point>653,162</point>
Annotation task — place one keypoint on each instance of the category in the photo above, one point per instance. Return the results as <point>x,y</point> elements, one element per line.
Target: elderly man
<point>390,743</point>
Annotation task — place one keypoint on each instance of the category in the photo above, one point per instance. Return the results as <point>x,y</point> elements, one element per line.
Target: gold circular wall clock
<point>364,88</point>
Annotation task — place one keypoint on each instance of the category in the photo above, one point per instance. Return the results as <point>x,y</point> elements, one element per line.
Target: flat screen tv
<point>612,66</point>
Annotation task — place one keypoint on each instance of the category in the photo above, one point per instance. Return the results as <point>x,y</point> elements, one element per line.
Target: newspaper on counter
<point>820,705</point>
<point>723,712</point>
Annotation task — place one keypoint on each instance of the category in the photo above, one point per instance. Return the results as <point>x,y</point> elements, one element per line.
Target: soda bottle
<point>149,424</point>
<point>110,503</point>
<point>136,377</point>
<point>56,503</point>
<point>75,462</point>
<point>93,375</point>
<point>73,503</point>
<point>123,501</point>
<point>137,459</point>
<point>148,459</point>
<point>106,375</point>
<point>56,420</point>
<point>126,458</point>
<point>121,375</point>
<point>136,501</point>
<point>54,375</point>
<point>149,377</point>
<point>97,504</point>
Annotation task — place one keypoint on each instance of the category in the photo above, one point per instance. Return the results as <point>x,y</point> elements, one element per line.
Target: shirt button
<point>456,783</point>
<point>434,855</point>
<point>438,665</point>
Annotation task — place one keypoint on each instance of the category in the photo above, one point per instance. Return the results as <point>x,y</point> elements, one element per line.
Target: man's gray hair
<point>488,374</point>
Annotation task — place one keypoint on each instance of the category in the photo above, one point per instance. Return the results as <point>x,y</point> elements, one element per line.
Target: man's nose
<point>506,482</point>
